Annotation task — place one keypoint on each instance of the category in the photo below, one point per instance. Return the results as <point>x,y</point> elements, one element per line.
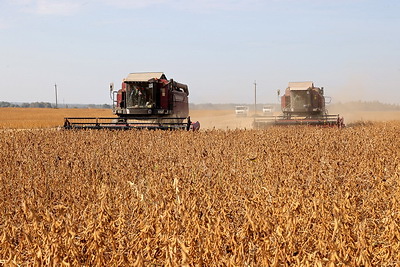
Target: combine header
<point>302,104</point>
<point>145,101</point>
<point>127,123</point>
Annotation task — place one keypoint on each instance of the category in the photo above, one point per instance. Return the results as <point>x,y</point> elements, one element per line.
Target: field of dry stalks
<point>28,118</point>
<point>293,196</point>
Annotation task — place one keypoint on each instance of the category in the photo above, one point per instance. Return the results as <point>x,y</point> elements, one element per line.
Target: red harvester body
<point>302,104</point>
<point>146,100</point>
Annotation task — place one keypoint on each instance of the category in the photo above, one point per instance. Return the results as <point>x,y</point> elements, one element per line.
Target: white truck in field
<point>241,110</point>
<point>268,110</point>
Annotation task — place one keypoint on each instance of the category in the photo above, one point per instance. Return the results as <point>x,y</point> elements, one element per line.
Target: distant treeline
<point>4,104</point>
<point>26,105</point>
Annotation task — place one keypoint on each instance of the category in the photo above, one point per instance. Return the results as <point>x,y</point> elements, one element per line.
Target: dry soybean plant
<point>298,196</point>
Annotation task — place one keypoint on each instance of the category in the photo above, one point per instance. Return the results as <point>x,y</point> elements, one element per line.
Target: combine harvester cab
<point>145,101</point>
<point>302,104</point>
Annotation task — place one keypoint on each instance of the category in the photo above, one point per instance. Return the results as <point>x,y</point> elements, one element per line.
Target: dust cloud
<point>227,119</point>
<point>365,111</point>
<point>221,119</point>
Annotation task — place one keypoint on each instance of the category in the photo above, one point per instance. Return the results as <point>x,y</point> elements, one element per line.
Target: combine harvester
<point>146,101</point>
<point>302,104</point>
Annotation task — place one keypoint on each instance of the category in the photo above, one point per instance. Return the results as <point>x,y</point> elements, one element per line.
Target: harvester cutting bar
<point>127,123</point>
<point>326,120</point>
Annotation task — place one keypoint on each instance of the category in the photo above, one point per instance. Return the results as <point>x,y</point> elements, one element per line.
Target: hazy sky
<point>217,47</point>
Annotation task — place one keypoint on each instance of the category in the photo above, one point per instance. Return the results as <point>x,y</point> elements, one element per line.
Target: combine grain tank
<point>302,104</point>
<point>146,100</point>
